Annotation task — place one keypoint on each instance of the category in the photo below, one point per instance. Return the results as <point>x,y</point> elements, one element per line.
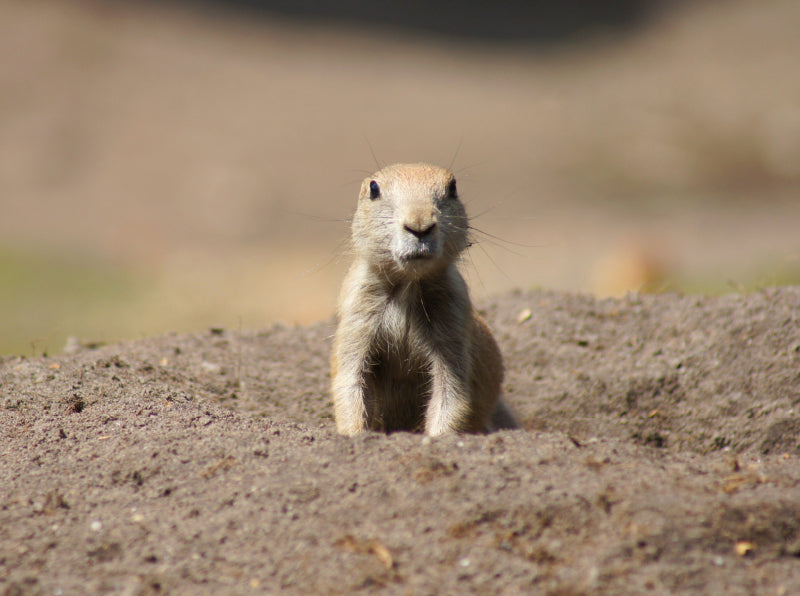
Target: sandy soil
<point>660,454</point>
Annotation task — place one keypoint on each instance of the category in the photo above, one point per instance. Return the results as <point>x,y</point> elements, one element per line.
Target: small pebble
<point>524,315</point>
<point>96,525</point>
<point>210,367</point>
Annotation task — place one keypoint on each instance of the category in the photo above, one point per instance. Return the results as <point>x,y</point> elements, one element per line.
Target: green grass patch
<point>767,275</point>
<point>45,298</point>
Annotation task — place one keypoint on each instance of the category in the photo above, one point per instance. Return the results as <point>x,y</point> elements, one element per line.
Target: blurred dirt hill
<point>174,166</point>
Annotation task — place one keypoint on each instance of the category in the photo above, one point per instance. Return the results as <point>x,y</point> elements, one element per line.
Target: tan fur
<point>410,352</point>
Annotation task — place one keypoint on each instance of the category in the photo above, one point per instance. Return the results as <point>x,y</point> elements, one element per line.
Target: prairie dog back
<point>410,353</point>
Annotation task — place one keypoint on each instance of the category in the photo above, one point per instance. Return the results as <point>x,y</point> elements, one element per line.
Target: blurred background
<point>179,165</point>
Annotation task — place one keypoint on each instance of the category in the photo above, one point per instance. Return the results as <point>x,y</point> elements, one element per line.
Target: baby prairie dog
<point>410,352</point>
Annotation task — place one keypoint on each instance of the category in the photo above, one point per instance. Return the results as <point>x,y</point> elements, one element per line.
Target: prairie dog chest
<point>402,333</point>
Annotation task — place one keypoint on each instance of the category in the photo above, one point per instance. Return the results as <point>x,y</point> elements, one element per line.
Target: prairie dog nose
<point>420,229</point>
<point>419,219</point>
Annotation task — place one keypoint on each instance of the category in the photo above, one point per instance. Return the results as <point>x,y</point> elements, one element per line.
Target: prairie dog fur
<point>410,352</point>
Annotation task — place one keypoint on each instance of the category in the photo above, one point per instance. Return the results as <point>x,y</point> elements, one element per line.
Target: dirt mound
<point>660,454</point>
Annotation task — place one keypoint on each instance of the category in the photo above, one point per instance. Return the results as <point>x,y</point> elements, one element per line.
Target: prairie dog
<point>410,352</point>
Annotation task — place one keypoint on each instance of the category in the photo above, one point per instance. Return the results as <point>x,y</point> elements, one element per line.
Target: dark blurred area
<point>535,21</point>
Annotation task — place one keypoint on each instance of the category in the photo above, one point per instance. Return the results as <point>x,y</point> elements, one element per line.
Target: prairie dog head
<point>409,220</point>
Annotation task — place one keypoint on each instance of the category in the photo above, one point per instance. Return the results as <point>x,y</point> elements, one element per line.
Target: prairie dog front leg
<point>448,409</point>
<point>349,386</point>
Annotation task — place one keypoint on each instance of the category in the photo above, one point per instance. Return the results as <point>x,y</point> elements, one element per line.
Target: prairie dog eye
<point>374,190</point>
<point>452,192</point>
